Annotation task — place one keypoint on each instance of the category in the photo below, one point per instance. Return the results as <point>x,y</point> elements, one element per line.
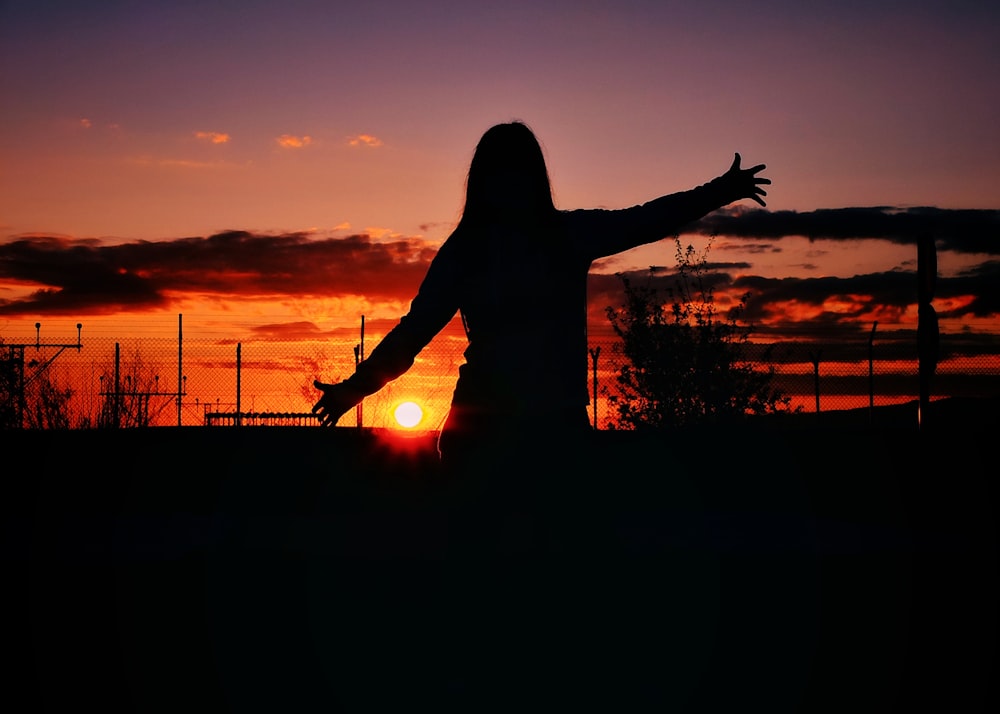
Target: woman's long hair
<point>510,153</point>
<point>507,149</point>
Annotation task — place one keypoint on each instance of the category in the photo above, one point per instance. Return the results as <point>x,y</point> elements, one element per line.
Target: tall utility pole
<point>239,382</point>
<point>180,364</point>
<point>359,357</point>
<point>928,336</point>
<point>871,374</point>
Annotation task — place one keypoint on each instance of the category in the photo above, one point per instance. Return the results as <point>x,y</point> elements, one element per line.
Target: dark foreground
<point>298,570</point>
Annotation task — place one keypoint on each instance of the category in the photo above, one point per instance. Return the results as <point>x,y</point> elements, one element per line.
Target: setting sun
<point>408,414</point>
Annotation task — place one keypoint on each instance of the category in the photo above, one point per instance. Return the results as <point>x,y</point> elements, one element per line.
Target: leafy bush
<point>683,358</point>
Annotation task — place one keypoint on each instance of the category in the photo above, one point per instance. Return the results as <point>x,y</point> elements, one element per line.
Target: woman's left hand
<point>745,183</point>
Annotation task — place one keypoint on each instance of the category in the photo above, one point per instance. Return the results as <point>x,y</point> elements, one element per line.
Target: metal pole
<point>118,388</point>
<point>928,335</point>
<point>815,361</point>
<point>357,409</point>
<point>594,354</point>
<point>21,398</point>
<point>359,357</point>
<point>871,374</point>
<point>239,367</point>
<point>180,368</point>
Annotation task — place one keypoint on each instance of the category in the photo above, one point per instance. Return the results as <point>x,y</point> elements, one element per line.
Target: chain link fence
<point>126,382</point>
<point>109,382</point>
<point>838,375</point>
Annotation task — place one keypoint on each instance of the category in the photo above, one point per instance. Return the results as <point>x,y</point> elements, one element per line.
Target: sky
<point>295,164</point>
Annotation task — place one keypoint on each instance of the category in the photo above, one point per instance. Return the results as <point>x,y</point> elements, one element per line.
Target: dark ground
<point>794,567</point>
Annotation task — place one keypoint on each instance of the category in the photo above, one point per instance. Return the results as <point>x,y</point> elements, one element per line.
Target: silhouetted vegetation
<point>129,389</point>
<point>684,363</point>
<point>48,407</point>
<point>9,388</point>
<point>30,396</point>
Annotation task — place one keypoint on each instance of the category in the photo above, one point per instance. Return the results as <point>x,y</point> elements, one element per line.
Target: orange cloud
<point>213,137</point>
<point>364,140</point>
<point>289,141</point>
<point>381,234</point>
<point>86,123</point>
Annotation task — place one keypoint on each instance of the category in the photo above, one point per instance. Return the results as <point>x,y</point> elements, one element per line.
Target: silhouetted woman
<point>516,269</point>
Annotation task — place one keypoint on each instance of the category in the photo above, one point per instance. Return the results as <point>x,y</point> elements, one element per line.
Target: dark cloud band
<point>85,276</point>
<point>963,231</point>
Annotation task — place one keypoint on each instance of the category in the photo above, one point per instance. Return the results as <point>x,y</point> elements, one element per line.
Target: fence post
<point>871,375</point>
<point>116,404</point>
<point>239,376</point>
<point>359,357</point>
<point>594,354</point>
<point>815,356</point>
<point>928,335</point>
<point>180,365</point>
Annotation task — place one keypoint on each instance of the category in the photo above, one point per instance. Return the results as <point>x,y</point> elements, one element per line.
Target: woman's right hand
<point>336,401</point>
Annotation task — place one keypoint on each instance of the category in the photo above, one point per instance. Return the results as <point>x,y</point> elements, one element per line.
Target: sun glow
<point>408,414</point>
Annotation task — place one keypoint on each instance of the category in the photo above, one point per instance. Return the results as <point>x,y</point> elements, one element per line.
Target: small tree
<point>684,362</point>
<point>48,405</point>
<point>127,388</point>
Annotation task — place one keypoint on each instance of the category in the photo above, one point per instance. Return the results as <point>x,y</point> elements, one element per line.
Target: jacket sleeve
<point>604,232</point>
<point>433,307</point>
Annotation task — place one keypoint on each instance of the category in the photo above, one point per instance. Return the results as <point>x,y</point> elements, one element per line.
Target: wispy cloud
<point>212,137</point>
<point>171,163</point>
<point>290,141</point>
<point>364,140</point>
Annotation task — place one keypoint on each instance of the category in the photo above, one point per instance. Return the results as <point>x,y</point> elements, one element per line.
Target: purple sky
<point>153,120</point>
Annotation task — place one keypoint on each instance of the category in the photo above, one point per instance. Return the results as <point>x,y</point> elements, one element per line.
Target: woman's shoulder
<point>595,222</point>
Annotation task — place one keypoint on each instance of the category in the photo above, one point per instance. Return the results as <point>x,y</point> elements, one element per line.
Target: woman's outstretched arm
<point>433,307</point>
<point>607,232</point>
